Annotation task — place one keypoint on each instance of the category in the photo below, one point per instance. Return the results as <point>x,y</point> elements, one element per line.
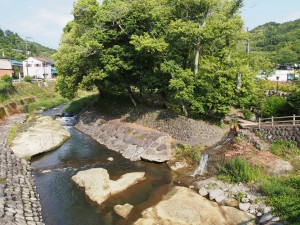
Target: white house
<point>38,67</point>
<point>282,75</point>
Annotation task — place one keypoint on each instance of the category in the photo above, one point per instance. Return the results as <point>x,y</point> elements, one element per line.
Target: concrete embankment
<point>19,201</point>
<point>132,141</point>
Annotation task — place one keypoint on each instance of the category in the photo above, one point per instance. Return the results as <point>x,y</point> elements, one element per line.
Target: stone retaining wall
<point>133,142</point>
<point>13,107</point>
<point>279,133</point>
<point>19,201</point>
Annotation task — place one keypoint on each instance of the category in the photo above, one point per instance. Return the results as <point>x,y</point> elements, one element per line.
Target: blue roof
<point>16,63</point>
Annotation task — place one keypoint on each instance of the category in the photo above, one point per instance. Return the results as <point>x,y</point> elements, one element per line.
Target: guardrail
<point>275,121</point>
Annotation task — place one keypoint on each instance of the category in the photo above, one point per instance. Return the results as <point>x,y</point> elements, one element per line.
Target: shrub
<point>286,149</point>
<point>293,102</point>
<point>247,114</point>
<point>284,196</point>
<point>7,78</point>
<point>274,106</point>
<point>28,79</point>
<point>189,153</point>
<point>238,170</point>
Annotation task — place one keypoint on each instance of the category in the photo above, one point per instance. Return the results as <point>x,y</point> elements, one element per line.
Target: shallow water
<point>64,203</point>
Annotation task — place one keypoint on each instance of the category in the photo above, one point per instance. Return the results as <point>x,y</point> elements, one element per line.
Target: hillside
<point>14,46</point>
<point>279,42</point>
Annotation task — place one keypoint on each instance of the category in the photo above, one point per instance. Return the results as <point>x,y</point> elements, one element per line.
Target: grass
<point>12,134</point>
<point>77,105</point>
<point>44,104</point>
<point>284,195</point>
<point>285,149</point>
<point>238,170</point>
<point>191,154</point>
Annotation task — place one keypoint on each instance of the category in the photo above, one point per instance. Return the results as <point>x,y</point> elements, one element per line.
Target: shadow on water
<point>64,203</point>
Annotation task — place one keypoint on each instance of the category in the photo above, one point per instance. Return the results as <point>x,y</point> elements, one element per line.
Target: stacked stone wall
<point>271,134</point>
<point>134,143</point>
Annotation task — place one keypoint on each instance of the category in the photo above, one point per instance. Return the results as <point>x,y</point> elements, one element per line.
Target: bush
<point>285,149</point>
<point>274,106</point>
<point>238,170</point>
<point>7,79</point>
<point>77,105</point>
<point>284,196</point>
<point>28,79</point>
<point>247,114</point>
<point>189,153</point>
<point>293,102</point>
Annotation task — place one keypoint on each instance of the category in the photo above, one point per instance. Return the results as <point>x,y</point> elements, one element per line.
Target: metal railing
<point>275,121</point>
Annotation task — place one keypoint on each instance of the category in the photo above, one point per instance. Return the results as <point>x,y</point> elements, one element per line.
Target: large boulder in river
<point>45,134</point>
<point>183,206</point>
<point>99,187</point>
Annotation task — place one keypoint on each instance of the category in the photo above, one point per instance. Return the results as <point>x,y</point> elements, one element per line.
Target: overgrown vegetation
<point>284,195</point>
<point>6,87</point>
<point>190,154</point>
<point>285,149</point>
<point>238,170</point>
<point>12,134</point>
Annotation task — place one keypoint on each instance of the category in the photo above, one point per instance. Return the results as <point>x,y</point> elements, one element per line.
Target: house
<point>38,67</point>
<point>17,67</point>
<point>282,75</point>
<point>5,67</point>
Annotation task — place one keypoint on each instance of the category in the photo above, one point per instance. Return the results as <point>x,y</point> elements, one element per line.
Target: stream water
<point>64,203</point>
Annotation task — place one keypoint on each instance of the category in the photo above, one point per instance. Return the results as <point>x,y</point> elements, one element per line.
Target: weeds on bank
<point>238,170</point>
<point>12,134</point>
<point>285,149</point>
<point>284,195</point>
<point>191,154</point>
<point>44,104</point>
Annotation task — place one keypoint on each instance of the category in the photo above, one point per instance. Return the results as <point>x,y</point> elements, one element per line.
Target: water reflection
<point>64,203</point>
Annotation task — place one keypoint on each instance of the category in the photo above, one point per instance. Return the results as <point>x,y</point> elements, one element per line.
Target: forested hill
<point>280,42</point>
<point>14,46</point>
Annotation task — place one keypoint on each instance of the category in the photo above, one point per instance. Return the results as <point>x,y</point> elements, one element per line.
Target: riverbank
<point>19,201</point>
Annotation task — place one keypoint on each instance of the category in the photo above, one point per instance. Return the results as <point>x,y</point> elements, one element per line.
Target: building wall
<point>282,74</point>
<point>36,68</point>
<point>5,72</point>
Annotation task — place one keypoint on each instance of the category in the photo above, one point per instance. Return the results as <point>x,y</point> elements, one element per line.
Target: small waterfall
<point>202,166</point>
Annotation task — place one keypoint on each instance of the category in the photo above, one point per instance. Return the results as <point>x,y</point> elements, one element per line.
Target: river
<point>64,203</point>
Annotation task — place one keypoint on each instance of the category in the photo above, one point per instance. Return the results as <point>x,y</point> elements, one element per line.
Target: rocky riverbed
<point>19,201</point>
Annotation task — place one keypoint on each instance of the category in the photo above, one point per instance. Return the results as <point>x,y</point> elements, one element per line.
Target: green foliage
<point>78,105</point>
<point>14,46</point>
<point>5,87</point>
<point>191,154</point>
<point>240,196</point>
<point>187,51</point>
<point>247,114</point>
<point>238,170</point>
<point>28,79</point>
<point>44,104</point>
<point>278,42</point>
<point>283,194</point>
<point>293,102</point>
<point>274,106</point>
<point>285,149</point>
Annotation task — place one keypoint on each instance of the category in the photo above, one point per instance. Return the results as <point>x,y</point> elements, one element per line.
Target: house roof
<point>16,63</point>
<point>44,60</point>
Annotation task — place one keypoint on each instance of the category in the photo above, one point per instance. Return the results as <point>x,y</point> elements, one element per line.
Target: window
<point>37,65</point>
<point>29,65</point>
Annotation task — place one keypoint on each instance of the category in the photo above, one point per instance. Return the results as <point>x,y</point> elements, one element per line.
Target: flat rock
<point>183,206</point>
<point>99,187</point>
<point>123,210</point>
<point>45,135</point>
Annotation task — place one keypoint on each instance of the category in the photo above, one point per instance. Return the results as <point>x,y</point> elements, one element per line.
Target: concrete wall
<point>279,133</point>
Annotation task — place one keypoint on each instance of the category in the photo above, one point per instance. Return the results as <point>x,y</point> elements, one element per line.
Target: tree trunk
<point>131,96</point>
<point>196,70</point>
<point>184,109</point>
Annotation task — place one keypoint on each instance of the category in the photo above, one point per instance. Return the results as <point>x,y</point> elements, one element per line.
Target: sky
<point>42,21</point>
